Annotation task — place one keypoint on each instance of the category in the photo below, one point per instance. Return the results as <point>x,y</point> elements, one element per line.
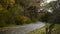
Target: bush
<point>34,19</point>
<point>25,20</point>
<point>22,20</point>
<point>2,23</point>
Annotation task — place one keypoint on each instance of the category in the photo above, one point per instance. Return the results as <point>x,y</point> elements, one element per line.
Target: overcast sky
<point>48,1</point>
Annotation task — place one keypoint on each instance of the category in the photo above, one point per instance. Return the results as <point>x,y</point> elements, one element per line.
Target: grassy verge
<point>38,31</point>
<point>7,27</point>
<point>55,30</point>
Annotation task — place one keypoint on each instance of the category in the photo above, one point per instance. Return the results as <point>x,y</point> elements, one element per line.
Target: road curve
<point>24,28</point>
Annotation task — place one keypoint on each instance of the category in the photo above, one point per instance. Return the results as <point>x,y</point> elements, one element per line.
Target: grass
<point>55,30</point>
<point>38,31</point>
<point>7,27</point>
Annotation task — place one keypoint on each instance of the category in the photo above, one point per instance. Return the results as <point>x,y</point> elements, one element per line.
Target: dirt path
<point>24,28</point>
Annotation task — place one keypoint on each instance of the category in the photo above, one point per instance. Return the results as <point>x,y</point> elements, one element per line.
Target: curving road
<point>24,28</point>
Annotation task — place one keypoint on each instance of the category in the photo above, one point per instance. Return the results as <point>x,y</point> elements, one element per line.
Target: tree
<point>55,16</point>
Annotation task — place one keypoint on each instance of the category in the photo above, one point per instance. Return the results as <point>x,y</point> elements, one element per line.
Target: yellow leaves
<point>34,19</point>
<point>17,10</point>
<point>20,8</point>
<point>12,2</point>
<point>1,8</point>
<point>24,19</point>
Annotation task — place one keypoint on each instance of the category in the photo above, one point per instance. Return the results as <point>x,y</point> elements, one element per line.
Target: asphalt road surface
<point>24,28</point>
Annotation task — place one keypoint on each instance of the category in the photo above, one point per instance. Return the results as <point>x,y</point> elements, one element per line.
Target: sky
<point>48,1</point>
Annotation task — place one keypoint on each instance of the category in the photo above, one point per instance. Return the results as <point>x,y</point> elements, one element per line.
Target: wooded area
<point>18,12</point>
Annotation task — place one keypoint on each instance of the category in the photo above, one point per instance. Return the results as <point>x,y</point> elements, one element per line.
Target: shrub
<point>22,20</point>
<point>25,20</point>
<point>34,19</point>
<point>2,23</point>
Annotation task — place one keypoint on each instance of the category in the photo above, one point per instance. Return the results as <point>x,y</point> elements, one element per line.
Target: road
<point>24,28</point>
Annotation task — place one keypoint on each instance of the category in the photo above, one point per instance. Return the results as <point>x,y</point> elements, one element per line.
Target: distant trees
<point>56,13</point>
<point>17,12</point>
<point>33,13</point>
<point>25,11</point>
<point>54,17</point>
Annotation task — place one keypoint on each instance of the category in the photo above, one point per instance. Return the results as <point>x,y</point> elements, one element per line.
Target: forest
<point>19,12</point>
